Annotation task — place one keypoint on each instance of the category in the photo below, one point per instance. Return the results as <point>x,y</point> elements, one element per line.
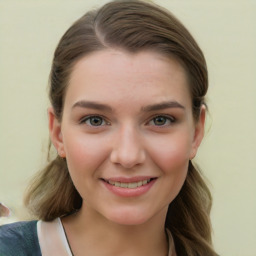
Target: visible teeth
<point>124,185</point>
<point>140,183</point>
<point>144,182</point>
<point>111,182</point>
<point>133,185</point>
<point>130,184</point>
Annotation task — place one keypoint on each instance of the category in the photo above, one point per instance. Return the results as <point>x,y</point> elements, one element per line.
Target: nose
<point>128,149</point>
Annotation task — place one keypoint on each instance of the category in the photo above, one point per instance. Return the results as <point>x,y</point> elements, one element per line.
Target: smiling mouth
<point>129,184</point>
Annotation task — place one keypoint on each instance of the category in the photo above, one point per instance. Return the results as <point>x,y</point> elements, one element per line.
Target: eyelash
<point>103,121</point>
<point>166,118</point>
<point>89,118</point>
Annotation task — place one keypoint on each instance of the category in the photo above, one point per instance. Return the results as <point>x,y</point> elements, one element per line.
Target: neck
<point>90,232</point>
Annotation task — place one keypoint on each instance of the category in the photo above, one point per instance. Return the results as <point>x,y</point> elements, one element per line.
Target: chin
<point>129,221</point>
<point>130,217</point>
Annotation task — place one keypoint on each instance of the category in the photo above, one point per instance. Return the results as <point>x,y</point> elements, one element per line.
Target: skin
<point>145,129</point>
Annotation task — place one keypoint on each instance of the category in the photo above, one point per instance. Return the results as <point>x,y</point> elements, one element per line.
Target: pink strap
<point>52,239</point>
<point>172,251</point>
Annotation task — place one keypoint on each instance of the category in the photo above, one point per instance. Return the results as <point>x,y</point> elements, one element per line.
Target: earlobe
<point>55,133</point>
<point>199,132</point>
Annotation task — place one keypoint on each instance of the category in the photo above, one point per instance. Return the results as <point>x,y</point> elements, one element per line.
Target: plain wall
<point>226,32</point>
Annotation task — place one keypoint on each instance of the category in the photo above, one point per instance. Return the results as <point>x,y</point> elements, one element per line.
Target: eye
<point>94,121</point>
<point>161,121</point>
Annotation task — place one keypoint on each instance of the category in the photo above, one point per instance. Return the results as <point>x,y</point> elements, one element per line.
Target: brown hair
<point>132,26</point>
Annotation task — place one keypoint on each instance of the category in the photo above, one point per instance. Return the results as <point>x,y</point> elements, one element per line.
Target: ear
<point>55,133</point>
<point>198,133</point>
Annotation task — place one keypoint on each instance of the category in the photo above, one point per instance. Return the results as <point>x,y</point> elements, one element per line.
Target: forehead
<point>112,75</point>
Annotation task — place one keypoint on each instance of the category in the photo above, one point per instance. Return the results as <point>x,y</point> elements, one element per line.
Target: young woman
<point>127,115</point>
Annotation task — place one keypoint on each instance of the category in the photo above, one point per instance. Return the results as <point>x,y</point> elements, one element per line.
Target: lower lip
<point>129,192</point>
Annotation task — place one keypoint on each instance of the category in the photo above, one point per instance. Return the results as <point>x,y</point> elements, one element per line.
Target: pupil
<point>96,121</point>
<point>160,120</point>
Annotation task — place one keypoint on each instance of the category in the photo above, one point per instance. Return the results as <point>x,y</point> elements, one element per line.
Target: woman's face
<point>127,133</point>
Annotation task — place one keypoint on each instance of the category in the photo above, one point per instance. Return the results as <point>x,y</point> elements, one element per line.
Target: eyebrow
<point>149,108</point>
<point>162,105</point>
<point>92,105</point>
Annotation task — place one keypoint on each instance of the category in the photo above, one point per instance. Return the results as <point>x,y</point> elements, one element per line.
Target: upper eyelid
<point>162,115</point>
<point>86,117</point>
<point>169,118</point>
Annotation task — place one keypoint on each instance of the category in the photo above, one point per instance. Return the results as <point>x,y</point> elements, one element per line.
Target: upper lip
<point>129,179</point>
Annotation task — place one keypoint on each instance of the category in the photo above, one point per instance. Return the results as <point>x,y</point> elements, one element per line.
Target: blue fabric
<point>19,239</point>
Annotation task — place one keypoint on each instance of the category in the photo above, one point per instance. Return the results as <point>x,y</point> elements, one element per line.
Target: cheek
<point>84,153</point>
<point>172,159</point>
<point>171,154</point>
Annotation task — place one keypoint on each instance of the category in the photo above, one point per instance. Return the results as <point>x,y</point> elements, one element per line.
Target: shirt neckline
<point>53,240</point>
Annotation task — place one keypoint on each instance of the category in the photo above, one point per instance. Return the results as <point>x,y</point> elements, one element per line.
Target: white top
<point>53,240</point>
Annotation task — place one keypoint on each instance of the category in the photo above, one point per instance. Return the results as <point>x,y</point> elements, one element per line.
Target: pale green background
<point>225,30</point>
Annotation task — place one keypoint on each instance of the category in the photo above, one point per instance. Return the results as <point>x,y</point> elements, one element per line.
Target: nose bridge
<point>128,149</point>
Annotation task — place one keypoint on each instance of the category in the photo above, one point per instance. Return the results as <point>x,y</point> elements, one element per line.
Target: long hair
<point>133,26</point>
